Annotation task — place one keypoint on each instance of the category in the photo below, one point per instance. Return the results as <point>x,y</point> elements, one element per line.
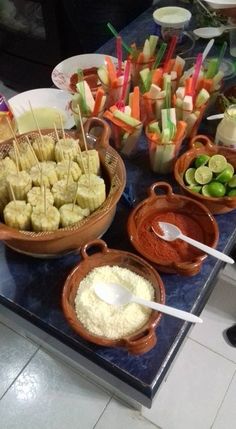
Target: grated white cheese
<point>107,320</point>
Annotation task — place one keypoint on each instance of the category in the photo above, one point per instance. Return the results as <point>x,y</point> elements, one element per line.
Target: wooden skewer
<point>16,156</point>
<point>11,129</point>
<point>37,126</point>
<point>45,199</point>
<point>56,132</point>
<point>85,141</point>
<point>62,128</point>
<point>81,158</point>
<point>13,194</point>
<point>33,152</point>
<point>75,197</point>
<point>59,143</point>
<point>68,172</point>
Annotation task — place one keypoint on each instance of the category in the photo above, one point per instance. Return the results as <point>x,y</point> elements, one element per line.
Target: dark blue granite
<point>32,287</point>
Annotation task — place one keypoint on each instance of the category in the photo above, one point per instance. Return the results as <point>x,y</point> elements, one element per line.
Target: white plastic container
<point>226,130</point>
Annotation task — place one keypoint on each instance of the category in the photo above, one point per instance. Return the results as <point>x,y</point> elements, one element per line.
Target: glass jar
<point>226,130</point>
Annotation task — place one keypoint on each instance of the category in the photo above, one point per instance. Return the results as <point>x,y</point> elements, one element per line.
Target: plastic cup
<point>163,156</point>
<point>114,94</point>
<point>85,117</point>
<point>137,67</point>
<point>127,145</point>
<point>172,21</point>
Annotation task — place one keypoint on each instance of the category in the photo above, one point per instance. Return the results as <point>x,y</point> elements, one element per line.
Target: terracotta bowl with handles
<point>64,240</point>
<point>145,338</point>
<point>199,145</point>
<point>169,202</point>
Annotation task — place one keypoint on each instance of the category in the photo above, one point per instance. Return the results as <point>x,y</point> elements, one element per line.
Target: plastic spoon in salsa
<point>170,232</point>
<point>116,294</point>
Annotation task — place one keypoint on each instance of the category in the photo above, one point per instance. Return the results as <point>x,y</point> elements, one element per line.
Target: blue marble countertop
<point>32,287</point>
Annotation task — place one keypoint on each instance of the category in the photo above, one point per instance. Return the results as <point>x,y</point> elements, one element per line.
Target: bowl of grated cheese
<point>130,326</point>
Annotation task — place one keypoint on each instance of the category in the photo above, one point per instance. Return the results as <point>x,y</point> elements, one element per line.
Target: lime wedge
<point>189,176</point>
<point>217,163</point>
<point>232,182</point>
<point>195,188</point>
<point>216,189</point>
<point>201,160</point>
<point>231,167</point>
<point>232,193</point>
<point>205,191</point>
<point>203,175</point>
<point>225,175</point>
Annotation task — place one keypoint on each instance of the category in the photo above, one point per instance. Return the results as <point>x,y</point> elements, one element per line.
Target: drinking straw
<point>83,99</point>
<point>221,55</point>
<point>170,52</point>
<point>121,103</point>
<point>197,69</point>
<point>160,55</point>
<point>119,54</point>
<point>116,34</point>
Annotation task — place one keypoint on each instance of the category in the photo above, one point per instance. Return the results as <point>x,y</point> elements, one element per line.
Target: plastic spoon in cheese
<point>116,294</point>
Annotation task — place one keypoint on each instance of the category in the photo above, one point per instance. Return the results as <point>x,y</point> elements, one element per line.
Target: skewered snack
<point>7,166</point>
<point>63,192</point>
<point>62,170</point>
<point>20,183</point>
<point>44,148</point>
<point>91,191</point>
<point>72,213</point>
<point>24,154</point>
<point>4,195</point>
<point>44,173</point>
<point>90,161</point>
<point>17,215</point>
<point>45,220</point>
<point>36,196</point>
<point>66,148</point>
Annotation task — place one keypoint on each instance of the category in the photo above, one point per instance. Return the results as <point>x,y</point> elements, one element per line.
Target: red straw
<point>197,69</point>
<point>170,52</point>
<point>119,55</point>
<point>121,103</point>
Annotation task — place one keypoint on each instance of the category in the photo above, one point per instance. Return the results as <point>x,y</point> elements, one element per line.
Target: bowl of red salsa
<point>192,217</point>
<point>65,75</point>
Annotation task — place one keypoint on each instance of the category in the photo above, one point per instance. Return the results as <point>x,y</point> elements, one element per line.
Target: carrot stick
<point>148,107</point>
<point>140,58</point>
<point>188,86</point>
<point>135,104</point>
<point>169,66</point>
<point>111,70</point>
<point>207,84</point>
<point>108,115</point>
<point>174,98</point>
<point>154,137</point>
<point>157,76</point>
<point>98,99</point>
<point>180,130</point>
<point>199,85</point>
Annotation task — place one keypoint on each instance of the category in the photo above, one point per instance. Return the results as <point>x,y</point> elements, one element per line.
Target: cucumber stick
<point>126,118</point>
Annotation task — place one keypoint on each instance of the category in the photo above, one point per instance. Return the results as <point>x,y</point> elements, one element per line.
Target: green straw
<point>160,55</point>
<point>116,34</point>
<point>221,55</point>
<point>84,106</point>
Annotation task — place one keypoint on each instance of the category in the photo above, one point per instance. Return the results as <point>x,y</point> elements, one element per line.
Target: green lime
<point>195,188</point>
<point>201,160</point>
<point>230,166</point>
<point>217,163</point>
<point>232,193</point>
<point>232,182</point>
<point>203,175</point>
<point>189,176</point>
<point>205,191</point>
<point>225,175</point>
<point>216,189</point>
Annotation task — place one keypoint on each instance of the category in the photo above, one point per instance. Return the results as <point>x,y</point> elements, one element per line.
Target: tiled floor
<point>38,391</point>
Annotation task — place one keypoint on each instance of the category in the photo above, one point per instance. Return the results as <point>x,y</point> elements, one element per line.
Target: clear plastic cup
<point>126,144</point>
<point>114,94</point>
<point>137,66</point>
<point>85,117</point>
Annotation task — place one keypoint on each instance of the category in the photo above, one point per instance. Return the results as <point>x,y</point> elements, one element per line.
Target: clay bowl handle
<point>142,342</point>
<point>199,141</point>
<point>7,234</point>
<point>103,138</point>
<point>94,243</point>
<point>162,185</point>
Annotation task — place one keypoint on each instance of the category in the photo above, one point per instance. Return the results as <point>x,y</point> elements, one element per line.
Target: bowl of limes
<point>207,172</point>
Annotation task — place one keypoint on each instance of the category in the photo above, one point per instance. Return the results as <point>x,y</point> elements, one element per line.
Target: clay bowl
<point>141,341</point>
<point>64,240</point>
<point>170,202</point>
<point>201,144</point>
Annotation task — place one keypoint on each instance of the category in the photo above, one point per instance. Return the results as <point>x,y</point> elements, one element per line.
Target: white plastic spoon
<point>116,294</point>
<point>172,232</point>
<point>209,32</point>
<point>206,51</point>
<point>214,117</point>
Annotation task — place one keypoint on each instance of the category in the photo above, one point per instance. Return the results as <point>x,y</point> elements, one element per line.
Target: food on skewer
<point>63,192</point>
<point>90,161</point>
<point>91,191</point>
<point>44,174</point>
<point>66,148</point>
<point>25,157</point>
<point>62,170</point>
<point>44,148</point>
<point>45,218</point>
<point>72,213</point>
<point>36,196</point>
<point>7,166</point>
<point>20,183</point>
<point>17,215</point>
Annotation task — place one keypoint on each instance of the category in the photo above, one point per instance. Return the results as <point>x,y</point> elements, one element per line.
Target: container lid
<point>172,16</point>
